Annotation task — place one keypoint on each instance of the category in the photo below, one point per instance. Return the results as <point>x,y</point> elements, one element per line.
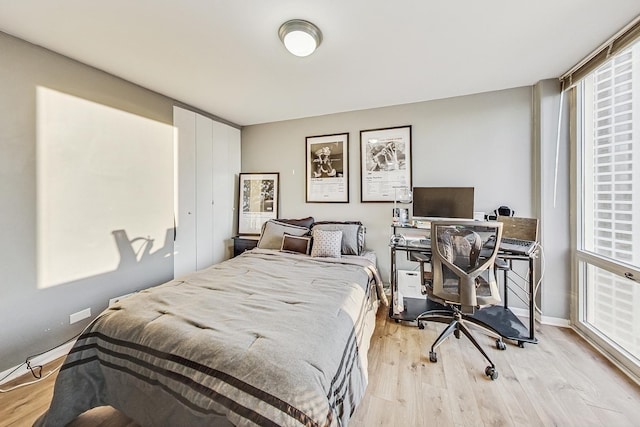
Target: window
<point>608,206</point>
<point>612,159</point>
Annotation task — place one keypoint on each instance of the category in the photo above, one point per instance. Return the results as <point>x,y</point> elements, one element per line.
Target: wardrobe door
<point>234,138</point>
<point>222,196</point>
<point>205,215</point>
<point>207,173</point>
<point>184,254</point>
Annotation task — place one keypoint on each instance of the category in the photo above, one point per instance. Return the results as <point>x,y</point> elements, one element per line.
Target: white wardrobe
<point>207,168</point>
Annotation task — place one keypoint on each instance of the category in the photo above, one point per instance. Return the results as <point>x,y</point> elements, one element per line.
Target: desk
<point>510,326</point>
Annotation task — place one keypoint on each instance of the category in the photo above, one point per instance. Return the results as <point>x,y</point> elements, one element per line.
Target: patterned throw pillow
<point>326,243</point>
<point>352,234</point>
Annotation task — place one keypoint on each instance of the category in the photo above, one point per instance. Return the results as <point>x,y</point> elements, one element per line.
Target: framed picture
<point>385,163</point>
<point>258,200</point>
<point>327,168</point>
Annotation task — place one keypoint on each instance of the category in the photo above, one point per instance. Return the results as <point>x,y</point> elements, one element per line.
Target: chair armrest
<point>420,257</point>
<point>426,277</point>
<point>501,264</point>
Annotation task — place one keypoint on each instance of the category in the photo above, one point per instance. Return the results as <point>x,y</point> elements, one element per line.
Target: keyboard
<point>420,243</point>
<point>514,246</point>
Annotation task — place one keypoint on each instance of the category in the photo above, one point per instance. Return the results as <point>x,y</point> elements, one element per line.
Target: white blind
<point>615,190</point>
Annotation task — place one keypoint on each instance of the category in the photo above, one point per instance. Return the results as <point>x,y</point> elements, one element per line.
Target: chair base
<point>457,325</point>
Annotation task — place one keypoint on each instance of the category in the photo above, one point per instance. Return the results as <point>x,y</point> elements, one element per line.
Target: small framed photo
<point>327,168</point>
<point>258,200</point>
<point>385,163</point>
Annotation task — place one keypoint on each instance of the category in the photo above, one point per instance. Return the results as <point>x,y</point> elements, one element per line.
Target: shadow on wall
<point>139,267</point>
<point>138,250</point>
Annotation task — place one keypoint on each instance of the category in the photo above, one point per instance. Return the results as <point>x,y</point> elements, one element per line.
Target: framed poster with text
<point>258,200</point>
<point>327,168</point>
<point>385,163</point>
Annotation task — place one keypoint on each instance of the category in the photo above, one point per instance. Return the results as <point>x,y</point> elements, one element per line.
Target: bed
<point>270,337</point>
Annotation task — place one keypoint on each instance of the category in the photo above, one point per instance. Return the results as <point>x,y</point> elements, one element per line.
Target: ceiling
<point>225,57</point>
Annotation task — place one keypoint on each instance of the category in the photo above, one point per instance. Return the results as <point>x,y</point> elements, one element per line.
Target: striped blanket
<point>266,338</point>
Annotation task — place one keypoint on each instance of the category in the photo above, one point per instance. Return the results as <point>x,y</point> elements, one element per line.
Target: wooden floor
<point>561,381</point>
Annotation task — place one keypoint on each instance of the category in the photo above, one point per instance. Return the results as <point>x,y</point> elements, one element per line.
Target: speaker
<point>501,211</point>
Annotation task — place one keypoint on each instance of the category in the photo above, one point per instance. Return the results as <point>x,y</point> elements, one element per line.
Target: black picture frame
<point>258,200</point>
<point>385,163</point>
<point>327,168</point>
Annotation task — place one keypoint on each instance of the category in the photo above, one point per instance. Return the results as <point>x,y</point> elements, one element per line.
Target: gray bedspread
<point>266,338</point>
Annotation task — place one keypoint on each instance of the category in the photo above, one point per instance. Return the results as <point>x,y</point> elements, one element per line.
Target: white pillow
<point>326,243</point>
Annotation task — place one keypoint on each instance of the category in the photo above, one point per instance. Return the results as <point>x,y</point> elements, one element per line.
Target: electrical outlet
<point>80,315</point>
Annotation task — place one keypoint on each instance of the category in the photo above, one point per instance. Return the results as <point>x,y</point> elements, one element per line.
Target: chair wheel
<point>491,373</point>
<point>521,344</point>
<point>500,345</point>
<point>433,357</point>
<point>456,333</point>
<point>420,325</point>
<point>397,320</point>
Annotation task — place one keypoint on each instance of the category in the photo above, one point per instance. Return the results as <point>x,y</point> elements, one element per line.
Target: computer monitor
<point>443,202</point>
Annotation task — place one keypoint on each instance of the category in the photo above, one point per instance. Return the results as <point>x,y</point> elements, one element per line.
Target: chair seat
<point>450,296</point>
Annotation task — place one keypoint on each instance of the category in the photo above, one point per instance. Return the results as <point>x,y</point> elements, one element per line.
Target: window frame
<point>581,257</point>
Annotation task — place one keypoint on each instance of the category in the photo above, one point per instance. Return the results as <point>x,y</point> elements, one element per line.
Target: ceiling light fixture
<point>300,37</point>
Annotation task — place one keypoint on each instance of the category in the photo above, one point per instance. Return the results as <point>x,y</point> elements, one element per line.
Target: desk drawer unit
<point>409,284</point>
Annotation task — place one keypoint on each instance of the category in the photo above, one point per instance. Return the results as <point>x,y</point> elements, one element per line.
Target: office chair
<point>461,281</point>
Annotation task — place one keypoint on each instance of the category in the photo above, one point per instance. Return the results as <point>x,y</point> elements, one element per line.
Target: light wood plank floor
<point>561,381</point>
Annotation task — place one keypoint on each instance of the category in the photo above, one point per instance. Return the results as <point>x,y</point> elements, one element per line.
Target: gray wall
<point>502,143</point>
<point>33,320</point>
<point>553,203</point>
<point>483,141</point>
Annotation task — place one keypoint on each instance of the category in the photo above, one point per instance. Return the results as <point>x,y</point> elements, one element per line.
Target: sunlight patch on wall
<point>99,170</point>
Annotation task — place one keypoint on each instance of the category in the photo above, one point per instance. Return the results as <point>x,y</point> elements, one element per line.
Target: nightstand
<point>244,243</point>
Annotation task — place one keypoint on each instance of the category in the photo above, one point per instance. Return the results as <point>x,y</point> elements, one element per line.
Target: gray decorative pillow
<point>302,222</point>
<point>352,234</point>
<point>326,243</point>
<point>273,231</point>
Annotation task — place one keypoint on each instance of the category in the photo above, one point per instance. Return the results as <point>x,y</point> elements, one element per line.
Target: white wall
<point>483,141</point>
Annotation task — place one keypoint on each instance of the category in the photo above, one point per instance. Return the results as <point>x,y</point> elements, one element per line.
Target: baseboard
<point>545,320</point>
<point>42,359</point>
<point>555,321</point>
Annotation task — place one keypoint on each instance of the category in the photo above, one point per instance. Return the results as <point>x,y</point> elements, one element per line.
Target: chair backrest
<point>462,268</point>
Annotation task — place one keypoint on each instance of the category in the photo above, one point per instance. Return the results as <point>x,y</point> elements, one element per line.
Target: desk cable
<point>38,376</point>
<point>539,282</point>
<point>36,370</point>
